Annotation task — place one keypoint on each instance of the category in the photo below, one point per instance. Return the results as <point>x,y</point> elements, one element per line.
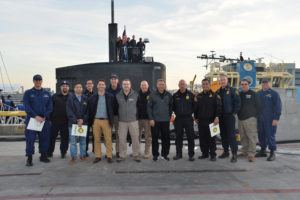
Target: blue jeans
<point>73,145</point>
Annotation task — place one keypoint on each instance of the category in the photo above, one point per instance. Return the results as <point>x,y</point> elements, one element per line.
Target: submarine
<point>145,69</point>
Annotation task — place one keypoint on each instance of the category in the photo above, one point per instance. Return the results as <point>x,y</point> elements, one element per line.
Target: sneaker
<point>224,155</point>
<point>73,160</point>
<point>146,155</point>
<point>177,157</point>
<point>84,159</point>
<point>251,159</point>
<point>155,158</point>
<point>165,158</point>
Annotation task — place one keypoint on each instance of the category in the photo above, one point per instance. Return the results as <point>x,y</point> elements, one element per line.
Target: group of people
<point>130,50</point>
<point>6,104</point>
<point>118,106</point>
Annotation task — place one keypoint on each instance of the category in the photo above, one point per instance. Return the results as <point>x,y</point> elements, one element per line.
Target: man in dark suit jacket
<point>101,118</point>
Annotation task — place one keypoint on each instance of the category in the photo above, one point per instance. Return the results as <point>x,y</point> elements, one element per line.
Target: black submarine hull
<point>136,72</point>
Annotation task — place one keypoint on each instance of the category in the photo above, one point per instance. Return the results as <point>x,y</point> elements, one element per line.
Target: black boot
<point>177,157</point>
<point>233,158</point>
<point>203,156</point>
<point>261,153</point>
<point>271,156</point>
<point>225,154</point>
<point>29,161</point>
<point>44,158</point>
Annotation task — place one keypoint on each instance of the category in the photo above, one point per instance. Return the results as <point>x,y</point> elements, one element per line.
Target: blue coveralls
<point>231,104</point>
<point>37,103</point>
<point>271,110</point>
<point>8,103</point>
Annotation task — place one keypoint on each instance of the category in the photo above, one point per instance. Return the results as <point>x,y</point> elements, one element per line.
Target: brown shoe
<point>147,155</point>
<point>242,155</point>
<point>251,159</point>
<point>109,160</point>
<point>97,160</point>
<point>84,159</point>
<point>73,161</point>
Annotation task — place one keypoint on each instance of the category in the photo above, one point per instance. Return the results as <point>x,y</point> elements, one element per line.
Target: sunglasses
<point>244,84</point>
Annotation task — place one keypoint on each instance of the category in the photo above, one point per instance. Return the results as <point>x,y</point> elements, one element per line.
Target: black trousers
<point>227,126</point>
<point>88,138</point>
<point>207,143</point>
<point>164,129</point>
<point>186,124</point>
<point>64,137</point>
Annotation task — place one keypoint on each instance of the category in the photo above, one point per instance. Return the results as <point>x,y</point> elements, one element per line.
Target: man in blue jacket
<point>77,112</point>
<point>268,119</point>
<point>231,104</point>
<point>38,105</point>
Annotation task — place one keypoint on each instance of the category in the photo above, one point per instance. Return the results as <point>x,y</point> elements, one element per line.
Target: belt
<point>102,118</point>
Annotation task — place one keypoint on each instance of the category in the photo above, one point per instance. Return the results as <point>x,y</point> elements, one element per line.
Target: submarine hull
<point>136,72</point>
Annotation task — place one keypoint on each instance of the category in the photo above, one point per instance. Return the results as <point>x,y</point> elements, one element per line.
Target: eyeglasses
<point>244,84</point>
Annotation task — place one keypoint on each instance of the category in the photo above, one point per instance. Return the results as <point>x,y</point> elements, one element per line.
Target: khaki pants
<point>99,127</point>
<point>133,128</point>
<point>144,124</point>
<point>248,132</point>
<point>116,126</point>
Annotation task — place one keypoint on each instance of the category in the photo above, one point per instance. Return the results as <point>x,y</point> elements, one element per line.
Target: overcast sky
<point>36,36</point>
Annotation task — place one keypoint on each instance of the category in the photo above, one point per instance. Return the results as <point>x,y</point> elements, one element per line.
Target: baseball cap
<point>265,80</point>
<point>37,77</point>
<point>64,82</point>
<point>114,76</point>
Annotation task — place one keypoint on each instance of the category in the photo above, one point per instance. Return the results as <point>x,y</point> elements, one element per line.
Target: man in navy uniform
<point>268,119</point>
<point>231,103</point>
<point>38,105</point>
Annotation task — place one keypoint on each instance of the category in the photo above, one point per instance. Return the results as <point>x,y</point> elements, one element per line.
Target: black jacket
<point>59,113</point>
<point>114,93</point>
<point>183,104</point>
<point>77,110</point>
<point>142,104</point>
<point>88,94</point>
<point>208,106</point>
<point>251,105</point>
<point>92,107</point>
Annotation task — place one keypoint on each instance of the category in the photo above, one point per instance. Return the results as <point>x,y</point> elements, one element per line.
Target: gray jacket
<point>159,106</point>
<point>127,106</point>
